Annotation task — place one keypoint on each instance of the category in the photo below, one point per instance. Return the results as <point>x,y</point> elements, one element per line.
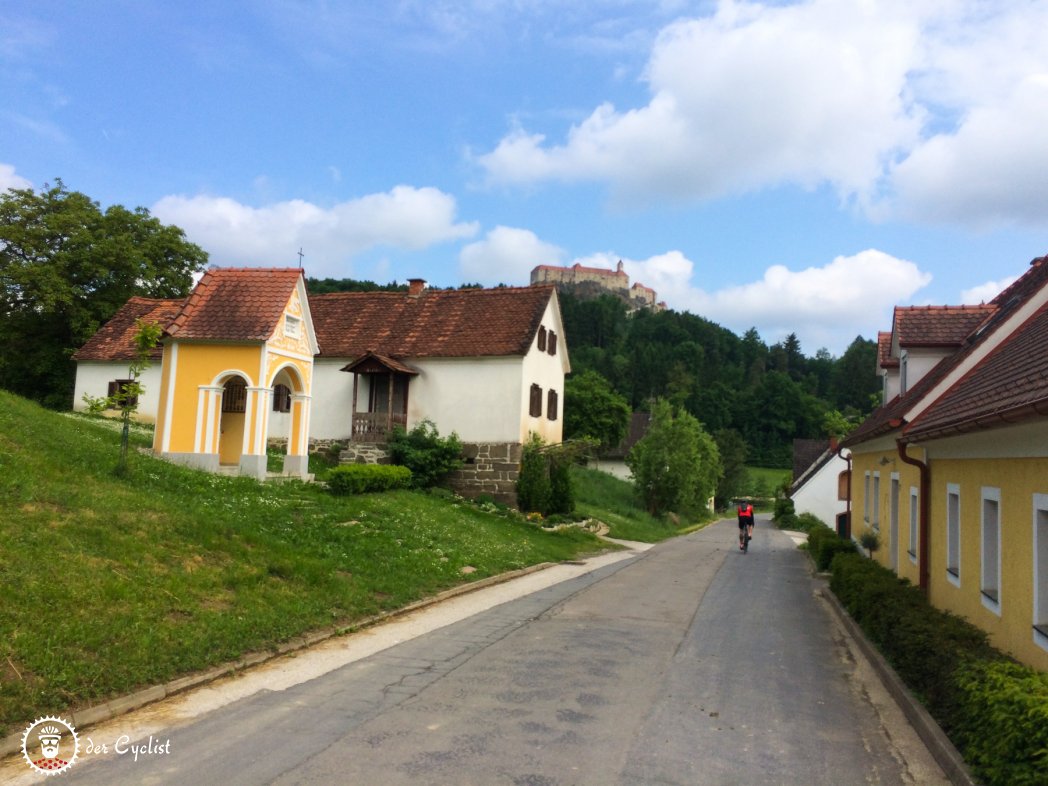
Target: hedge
<point>824,544</point>
<point>361,478</point>
<point>994,710</point>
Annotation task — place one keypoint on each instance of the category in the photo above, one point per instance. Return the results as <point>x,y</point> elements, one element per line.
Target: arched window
<point>234,396</point>
<point>281,398</point>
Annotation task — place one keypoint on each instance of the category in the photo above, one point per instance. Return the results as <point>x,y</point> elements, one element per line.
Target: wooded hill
<point>768,394</point>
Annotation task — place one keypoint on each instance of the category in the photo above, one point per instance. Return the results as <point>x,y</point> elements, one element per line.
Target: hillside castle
<point>591,282</point>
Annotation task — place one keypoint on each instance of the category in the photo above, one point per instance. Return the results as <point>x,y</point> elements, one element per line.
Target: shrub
<point>422,450</point>
<point>824,544</point>
<point>994,710</point>
<point>362,478</point>
<point>783,507</point>
<point>533,484</point>
<point>1014,752</point>
<point>787,521</point>
<point>561,493</point>
<point>806,522</point>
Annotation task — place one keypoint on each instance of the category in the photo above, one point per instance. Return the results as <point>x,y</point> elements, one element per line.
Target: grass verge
<point>612,500</point>
<point>115,583</point>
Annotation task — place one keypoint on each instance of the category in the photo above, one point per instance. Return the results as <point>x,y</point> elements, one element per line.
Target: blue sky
<point>793,166</point>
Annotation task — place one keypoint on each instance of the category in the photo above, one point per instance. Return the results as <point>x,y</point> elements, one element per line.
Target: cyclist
<point>745,511</point>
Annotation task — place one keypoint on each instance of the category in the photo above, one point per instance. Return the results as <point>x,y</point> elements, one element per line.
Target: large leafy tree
<point>66,266</point>
<point>676,465</point>
<point>593,409</point>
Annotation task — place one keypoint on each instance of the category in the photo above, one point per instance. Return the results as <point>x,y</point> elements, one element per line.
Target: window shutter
<point>535,409</point>
<point>542,338</point>
<point>551,405</point>
<point>552,343</point>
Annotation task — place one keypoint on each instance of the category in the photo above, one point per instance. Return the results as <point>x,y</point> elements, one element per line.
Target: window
<point>953,533</point>
<point>893,522</point>
<point>876,520</point>
<point>535,408</point>
<point>116,389</point>
<point>903,363</point>
<point>551,344</point>
<point>914,519</point>
<point>551,405</point>
<point>990,573</point>
<point>866,497</point>
<point>1040,569</point>
<point>234,396</point>
<point>542,338</point>
<point>292,326</point>
<point>281,398</point>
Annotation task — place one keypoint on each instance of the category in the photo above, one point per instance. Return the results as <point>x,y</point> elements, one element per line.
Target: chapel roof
<point>235,304</point>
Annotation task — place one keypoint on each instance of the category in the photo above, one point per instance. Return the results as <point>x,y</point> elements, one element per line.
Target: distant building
<point>591,282</point>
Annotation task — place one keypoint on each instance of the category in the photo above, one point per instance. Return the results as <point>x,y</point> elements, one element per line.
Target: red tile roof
<point>884,351</point>
<point>115,340</point>
<point>236,304</point>
<point>437,323</point>
<point>1009,385</point>
<point>937,326</point>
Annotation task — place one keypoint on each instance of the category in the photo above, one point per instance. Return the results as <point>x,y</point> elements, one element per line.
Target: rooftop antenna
<point>300,255</point>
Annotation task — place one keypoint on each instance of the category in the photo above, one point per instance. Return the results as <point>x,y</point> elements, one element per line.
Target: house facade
<point>952,472</point>
<point>248,359</point>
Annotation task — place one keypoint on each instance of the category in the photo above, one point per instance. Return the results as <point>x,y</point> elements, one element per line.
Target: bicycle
<point>745,537</point>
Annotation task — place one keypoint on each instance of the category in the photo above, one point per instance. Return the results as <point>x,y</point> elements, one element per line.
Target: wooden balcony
<point>376,426</point>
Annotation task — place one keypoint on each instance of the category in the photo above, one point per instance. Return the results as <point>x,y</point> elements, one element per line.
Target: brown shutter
<point>542,338</point>
<point>551,405</point>
<point>552,343</point>
<point>535,409</point>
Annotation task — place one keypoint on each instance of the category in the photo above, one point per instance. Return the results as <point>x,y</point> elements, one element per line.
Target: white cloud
<point>984,293</point>
<point>749,97</point>
<point>825,306</point>
<point>236,234</point>
<point>506,255</point>
<point>929,111</point>
<point>8,178</point>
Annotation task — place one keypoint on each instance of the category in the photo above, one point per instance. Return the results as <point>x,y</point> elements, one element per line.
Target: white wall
<point>818,495</point>
<point>94,378</point>
<point>478,398</point>
<point>331,408</point>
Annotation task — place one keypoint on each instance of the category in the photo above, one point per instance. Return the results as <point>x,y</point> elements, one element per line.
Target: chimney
<point>415,287</point>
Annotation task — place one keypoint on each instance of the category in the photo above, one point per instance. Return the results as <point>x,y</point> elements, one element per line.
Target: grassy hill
<point>111,584</point>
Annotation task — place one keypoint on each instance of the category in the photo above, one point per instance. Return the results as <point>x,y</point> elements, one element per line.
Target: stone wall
<point>490,469</point>
<point>364,453</point>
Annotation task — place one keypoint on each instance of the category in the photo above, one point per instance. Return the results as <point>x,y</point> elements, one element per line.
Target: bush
<point>994,710</point>
<point>807,522</point>
<point>1015,752</point>
<point>429,457</point>
<point>787,521</point>
<point>362,478</point>
<point>824,544</point>
<point>533,484</point>
<point>783,507</point>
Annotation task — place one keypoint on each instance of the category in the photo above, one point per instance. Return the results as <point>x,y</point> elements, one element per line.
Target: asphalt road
<point>690,663</point>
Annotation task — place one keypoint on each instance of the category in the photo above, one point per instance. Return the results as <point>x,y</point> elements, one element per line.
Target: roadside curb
<point>12,743</point>
<point>939,745</point>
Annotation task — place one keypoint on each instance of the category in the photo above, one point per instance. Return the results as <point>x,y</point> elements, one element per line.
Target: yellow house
<point>243,338</point>
<point>952,473</point>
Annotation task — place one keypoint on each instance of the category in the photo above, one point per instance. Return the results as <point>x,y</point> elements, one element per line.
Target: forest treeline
<point>769,395</point>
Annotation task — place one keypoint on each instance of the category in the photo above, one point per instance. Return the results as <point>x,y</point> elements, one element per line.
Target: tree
<point>735,479</point>
<point>65,268</point>
<point>593,409</point>
<point>675,465</point>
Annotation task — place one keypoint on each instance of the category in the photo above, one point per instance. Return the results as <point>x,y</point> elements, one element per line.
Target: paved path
<point>689,664</point>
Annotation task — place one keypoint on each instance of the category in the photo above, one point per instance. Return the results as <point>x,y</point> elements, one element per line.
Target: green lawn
<point>613,501</point>
<point>115,583</point>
